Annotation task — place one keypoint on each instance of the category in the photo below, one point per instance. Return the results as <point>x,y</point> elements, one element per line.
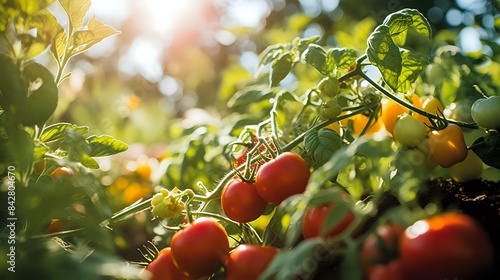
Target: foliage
<point>327,116</point>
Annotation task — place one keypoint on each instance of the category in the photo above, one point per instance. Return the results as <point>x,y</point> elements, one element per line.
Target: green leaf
<point>316,56</point>
<point>340,58</point>
<point>292,263</point>
<point>400,21</point>
<point>303,43</point>
<point>83,40</point>
<point>384,54</point>
<point>249,95</point>
<point>21,147</point>
<point>57,131</point>
<point>322,144</point>
<point>30,7</point>
<point>59,45</point>
<point>42,96</point>
<point>280,68</point>
<point>413,64</point>
<point>488,148</point>
<point>89,162</point>
<point>334,216</point>
<point>271,53</point>
<point>105,145</point>
<point>76,10</point>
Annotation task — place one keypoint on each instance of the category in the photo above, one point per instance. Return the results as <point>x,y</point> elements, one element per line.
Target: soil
<point>478,198</point>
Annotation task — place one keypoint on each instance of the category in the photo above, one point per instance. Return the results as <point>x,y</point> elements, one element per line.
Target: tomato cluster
<point>275,181</point>
<point>445,246</point>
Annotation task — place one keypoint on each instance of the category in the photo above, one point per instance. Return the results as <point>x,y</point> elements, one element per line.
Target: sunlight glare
<point>164,14</point>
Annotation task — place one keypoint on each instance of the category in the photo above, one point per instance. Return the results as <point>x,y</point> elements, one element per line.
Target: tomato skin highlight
<point>445,246</point>
<point>282,177</point>
<point>241,202</point>
<point>431,105</point>
<point>314,219</point>
<point>61,172</point>
<point>447,145</point>
<point>200,249</point>
<point>249,261</point>
<point>163,267</point>
<point>484,112</point>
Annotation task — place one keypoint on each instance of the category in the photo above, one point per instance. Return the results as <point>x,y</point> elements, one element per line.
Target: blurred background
<point>176,64</point>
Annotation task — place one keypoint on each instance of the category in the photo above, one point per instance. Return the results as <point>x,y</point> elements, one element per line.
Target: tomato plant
<point>241,202</point>
<point>61,172</point>
<point>249,261</point>
<point>447,145</point>
<point>391,110</point>
<point>381,247</point>
<point>468,169</point>
<point>282,177</point>
<point>430,105</point>
<point>163,267</point>
<point>445,246</point>
<point>200,249</point>
<point>390,271</point>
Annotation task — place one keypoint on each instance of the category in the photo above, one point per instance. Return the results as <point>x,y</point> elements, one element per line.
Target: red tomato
<point>391,271</point>
<point>241,202</point>
<point>201,248</point>
<point>249,261</point>
<point>282,177</point>
<point>315,218</point>
<point>381,247</point>
<point>163,267</point>
<point>445,246</point>
<point>447,145</point>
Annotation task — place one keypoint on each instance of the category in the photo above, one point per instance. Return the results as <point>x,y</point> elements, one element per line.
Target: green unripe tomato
<point>484,112</point>
<point>409,131</point>
<point>330,109</point>
<point>329,86</point>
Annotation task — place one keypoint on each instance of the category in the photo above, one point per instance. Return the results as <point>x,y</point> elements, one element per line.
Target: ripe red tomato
<point>445,246</point>
<point>249,261</point>
<point>241,202</point>
<point>282,177</point>
<point>163,267</point>
<point>381,247</point>
<point>391,271</point>
<point>200,249</point>
<point>315,218</point>
<point>61,172</point>
<point>447,145</point>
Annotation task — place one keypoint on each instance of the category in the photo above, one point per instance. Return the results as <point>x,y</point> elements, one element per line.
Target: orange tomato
<point>391,110</point>
<point>448,146</point>
<point>360,121</point>
<point>431,105</point>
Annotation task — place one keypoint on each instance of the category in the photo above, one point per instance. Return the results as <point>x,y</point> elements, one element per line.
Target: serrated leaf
<point>316,56</point>
<point>413,64</point>
<point>340,58</point>
<point>83,40</point>
<point>250,95</point>
<point>384,54</point>
<point>303,43</point>
<point>59,45</point>
<point>270,54</point>
<point>280,68</point>
<point>76,10</point>
<point>400,21</point>
<point>105,145</point>
<point>57,131</point>
<point>322,144</point>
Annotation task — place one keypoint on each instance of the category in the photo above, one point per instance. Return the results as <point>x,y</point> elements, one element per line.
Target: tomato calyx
<point>438,123</point>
